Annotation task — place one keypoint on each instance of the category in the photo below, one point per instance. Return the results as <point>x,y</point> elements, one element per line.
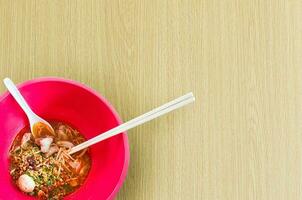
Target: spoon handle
<point>17,96</point>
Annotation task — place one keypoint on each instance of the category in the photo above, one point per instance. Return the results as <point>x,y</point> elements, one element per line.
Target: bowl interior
<point>73,103</point>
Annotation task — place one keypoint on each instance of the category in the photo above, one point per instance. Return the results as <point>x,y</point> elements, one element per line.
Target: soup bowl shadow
<point>73,103</point>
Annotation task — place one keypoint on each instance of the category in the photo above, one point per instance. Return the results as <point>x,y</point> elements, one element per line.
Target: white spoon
<point>35,121</point>
<point>164,109</point>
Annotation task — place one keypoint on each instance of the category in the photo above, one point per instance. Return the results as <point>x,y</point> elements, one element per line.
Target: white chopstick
<point>166,108</point>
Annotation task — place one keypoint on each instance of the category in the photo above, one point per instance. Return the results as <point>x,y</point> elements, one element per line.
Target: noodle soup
<point>42,167</point>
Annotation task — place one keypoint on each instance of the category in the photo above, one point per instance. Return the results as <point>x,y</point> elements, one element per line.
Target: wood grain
<point>242,59</point>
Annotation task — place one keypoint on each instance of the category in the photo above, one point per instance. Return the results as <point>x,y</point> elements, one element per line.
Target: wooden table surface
<point>242,59</point>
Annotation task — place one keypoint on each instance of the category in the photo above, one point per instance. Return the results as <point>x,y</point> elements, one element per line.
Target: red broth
<point>52,174</point>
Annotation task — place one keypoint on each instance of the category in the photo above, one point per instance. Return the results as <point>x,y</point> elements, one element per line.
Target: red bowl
<point>65,100</point>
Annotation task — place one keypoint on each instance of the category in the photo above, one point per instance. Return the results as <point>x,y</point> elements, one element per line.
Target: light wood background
<point>241,58</point>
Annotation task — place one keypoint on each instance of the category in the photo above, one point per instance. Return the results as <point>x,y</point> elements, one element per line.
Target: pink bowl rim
<point>95,93</point>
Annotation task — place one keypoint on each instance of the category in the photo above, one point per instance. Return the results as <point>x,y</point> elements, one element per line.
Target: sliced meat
<point>66,144</point>
<point>62,135</point>
<point>26,137</point>
<point>44,143</point>
<point>53,149</point>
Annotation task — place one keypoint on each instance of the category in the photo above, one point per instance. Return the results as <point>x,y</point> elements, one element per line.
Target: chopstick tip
<point>192,95</point>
